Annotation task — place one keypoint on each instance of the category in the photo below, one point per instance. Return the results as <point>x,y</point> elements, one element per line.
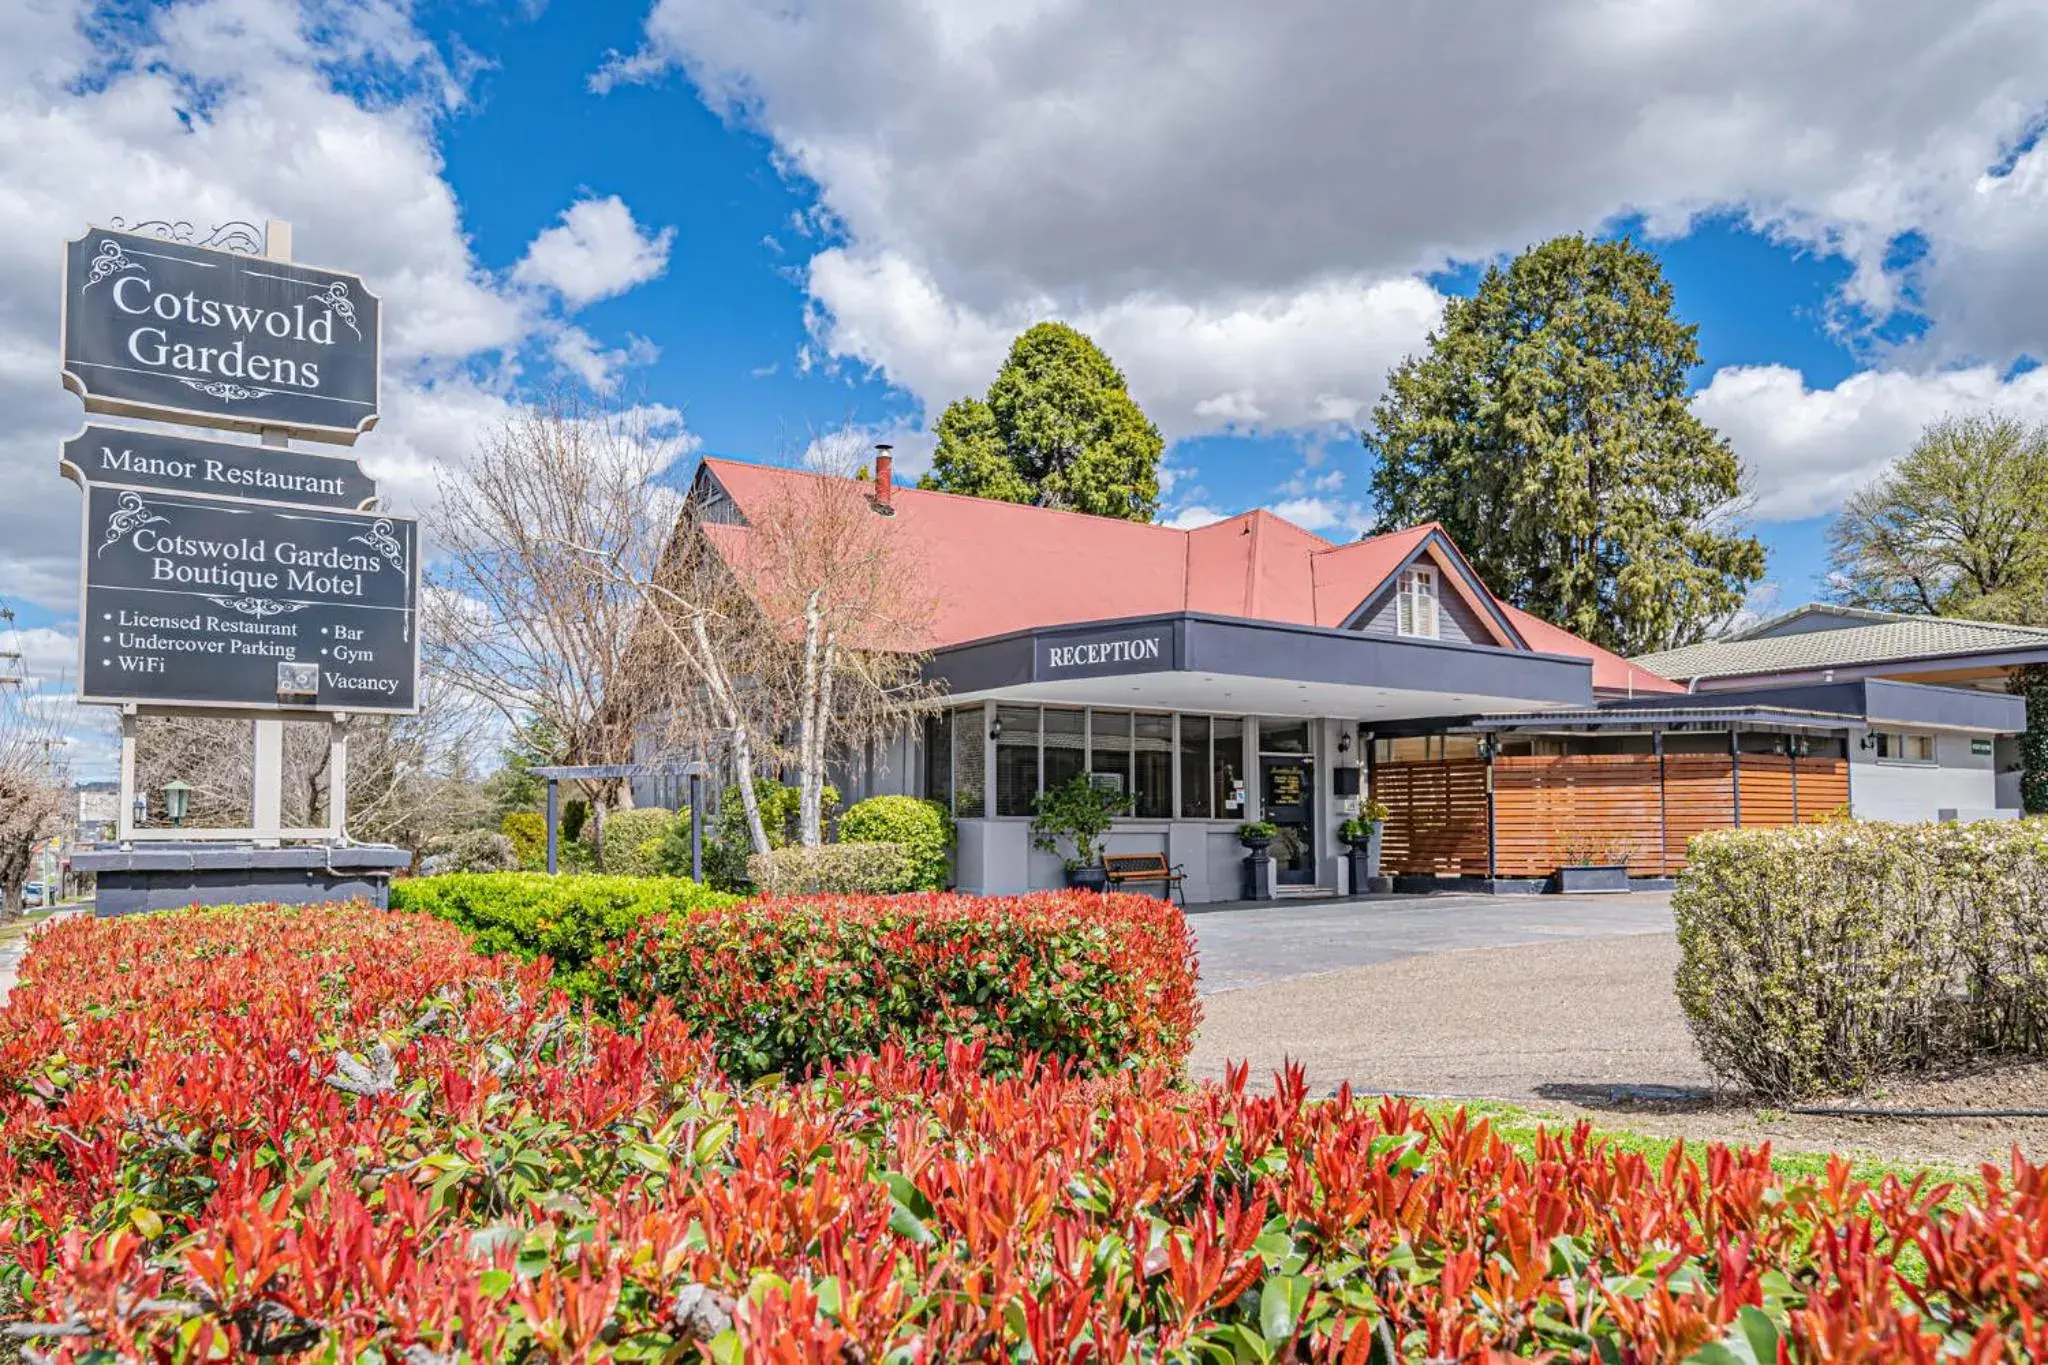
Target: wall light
<point>995,728</point>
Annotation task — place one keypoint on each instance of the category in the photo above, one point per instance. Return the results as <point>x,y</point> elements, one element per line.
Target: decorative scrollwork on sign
<point>223,390</point>
<point>257,606</point>
<point>108,261</point>
<point>337,301</point>
<point>233,235</point>
<point>130,514</point>
<point>380,539</point>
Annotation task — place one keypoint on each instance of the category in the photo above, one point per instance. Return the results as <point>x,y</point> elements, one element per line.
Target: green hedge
<point>923,828</point>
<point>1821,959</point>
<point>632,841</point>
<point>570,920</point>
<point>793,985</point>
<point>884,869</point>
<point>528,831</point>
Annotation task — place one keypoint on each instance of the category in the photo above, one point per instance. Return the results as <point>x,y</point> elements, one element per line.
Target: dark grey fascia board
<point>1663,718</point>
<point>1205,643</point>
<point>1951,708</point>
<point>1867,701</point>
<point>1922,663</point>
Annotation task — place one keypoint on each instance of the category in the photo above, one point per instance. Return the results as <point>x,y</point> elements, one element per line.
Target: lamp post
<point>177,794</point>
<point>141,810</point>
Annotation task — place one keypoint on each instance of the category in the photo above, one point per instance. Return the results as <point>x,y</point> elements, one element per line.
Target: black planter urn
<point>1365,860</point>
<point>1258,885</point>
<point>1094,877</point>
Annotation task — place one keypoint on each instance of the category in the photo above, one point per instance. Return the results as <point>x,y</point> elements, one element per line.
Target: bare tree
<point>520,619</point>
<point>35,785</point>
<point>847,603</point>
<point>408,778</point>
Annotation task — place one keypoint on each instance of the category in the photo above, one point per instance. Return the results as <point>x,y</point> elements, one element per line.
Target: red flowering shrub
<point>336,1135</point>
<point>789,986</point>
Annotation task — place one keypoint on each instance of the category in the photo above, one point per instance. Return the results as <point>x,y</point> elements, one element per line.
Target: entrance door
<point>1288,786</point>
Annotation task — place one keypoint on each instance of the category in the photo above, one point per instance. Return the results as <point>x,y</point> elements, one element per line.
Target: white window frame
<point>1899,741</point>
<point>1415,595</point>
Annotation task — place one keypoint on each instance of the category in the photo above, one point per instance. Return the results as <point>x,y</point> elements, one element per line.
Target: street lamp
<point>141,809</point>
<point>176,794</point>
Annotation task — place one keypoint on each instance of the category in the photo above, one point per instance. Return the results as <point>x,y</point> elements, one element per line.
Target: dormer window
<point>1416,598</point>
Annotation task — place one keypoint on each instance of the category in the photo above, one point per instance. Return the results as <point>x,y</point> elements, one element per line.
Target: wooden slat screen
<point>1699,795</point>
<point>1544,804</point>
<point>1823,788</point>
<point>1437,816</point>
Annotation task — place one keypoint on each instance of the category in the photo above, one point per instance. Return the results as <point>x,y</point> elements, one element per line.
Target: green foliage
<point>788,986</point>
<point>1258,829</point>
<point>875,868</point>
<point>1958,527</point>
<point>1058,429</point>
<point>2031,681</point>
<point>1549,430</point>
<point>1076,815</point>
<point>569,920</point>
<point>630,840</point>
<point>474,850</point>
<point>1359,828</point>
<point>1823,958</point>
<point>923,828</point>
<point>528,831</point>
<point>727,842</point>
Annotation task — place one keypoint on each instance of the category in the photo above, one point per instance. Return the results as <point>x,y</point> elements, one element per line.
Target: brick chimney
<point>885,482</point>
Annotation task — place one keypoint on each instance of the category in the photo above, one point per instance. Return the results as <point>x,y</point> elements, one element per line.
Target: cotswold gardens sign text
<point>223,339</point>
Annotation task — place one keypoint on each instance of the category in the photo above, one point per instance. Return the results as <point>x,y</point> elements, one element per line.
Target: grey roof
<point>1887,639</point>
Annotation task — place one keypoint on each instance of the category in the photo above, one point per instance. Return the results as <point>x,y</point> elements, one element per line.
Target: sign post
<point>225,580</point>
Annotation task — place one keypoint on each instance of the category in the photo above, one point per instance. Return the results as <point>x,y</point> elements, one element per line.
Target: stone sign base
<point>172,876</point>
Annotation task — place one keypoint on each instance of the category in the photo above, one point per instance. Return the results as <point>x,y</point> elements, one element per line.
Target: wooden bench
<point>1146,867</point>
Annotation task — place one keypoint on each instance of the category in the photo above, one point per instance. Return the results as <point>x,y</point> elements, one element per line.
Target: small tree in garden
<point>517,614</point>
<point>1075,815</point>
<point>34,786</point>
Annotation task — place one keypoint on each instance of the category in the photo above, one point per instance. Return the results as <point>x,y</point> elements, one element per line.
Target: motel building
<point>1252,670</point>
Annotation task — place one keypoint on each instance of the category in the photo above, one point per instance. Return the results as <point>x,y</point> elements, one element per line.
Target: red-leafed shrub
<point>333,1135</point>
<point>788,986</point>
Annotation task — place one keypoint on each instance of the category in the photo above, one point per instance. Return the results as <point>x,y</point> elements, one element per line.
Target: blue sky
<point>823,219</point>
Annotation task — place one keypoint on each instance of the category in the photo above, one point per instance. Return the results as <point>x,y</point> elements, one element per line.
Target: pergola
<point>608,771</point>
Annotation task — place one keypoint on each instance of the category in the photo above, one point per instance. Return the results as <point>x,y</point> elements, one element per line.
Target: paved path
<point>15,946</point>
<point>1281,940</point>
<point>1539,998</point>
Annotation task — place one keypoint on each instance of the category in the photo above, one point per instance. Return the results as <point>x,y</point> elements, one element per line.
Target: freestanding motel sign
<point>220,578</point>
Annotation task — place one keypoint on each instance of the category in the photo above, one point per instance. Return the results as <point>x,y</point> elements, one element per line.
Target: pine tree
<point>1548,429</point>
<point>1058,429</point>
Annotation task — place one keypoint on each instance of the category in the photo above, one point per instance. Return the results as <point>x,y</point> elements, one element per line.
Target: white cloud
<point>1310,358</point>
<point>576,351</point>
<point>1190,518</point>
<point>325,115</point>
<point>1807,449</point>
<point>1237,202</point>
<point>596,251</point>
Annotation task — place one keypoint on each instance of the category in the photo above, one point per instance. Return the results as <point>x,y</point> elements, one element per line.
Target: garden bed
<point>328,1134</point>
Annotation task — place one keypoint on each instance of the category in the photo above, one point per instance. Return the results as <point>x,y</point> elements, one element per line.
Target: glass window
<point>1016,759</point>
<point>1196,795</point>
<point>1152,767</point>
<point>1416,595</point>
<point>1283,737</point>
<point>1066,746</point>
<point>1109,749</point>
<point>970,763</point>
<point>1893,747</point>
<point>938,759</point>
<point>1228,767</point>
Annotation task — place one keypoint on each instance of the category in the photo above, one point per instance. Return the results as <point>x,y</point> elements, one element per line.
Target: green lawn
<point>1518,1126</point>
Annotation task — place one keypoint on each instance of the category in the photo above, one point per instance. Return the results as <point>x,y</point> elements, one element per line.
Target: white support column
<point>266,804</point>
<point>337,778</point>
<point>124,821</point>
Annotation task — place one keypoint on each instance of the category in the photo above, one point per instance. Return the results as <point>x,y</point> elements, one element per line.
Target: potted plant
<point>1257,836</point>
<point>1592,862</point>
<point>1362,832</point>
<point>1071,822</point>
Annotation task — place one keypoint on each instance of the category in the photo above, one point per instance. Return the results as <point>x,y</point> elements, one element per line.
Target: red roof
<point>1000,567</point>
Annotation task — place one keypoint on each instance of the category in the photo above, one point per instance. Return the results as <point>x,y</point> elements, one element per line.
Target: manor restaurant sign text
<point>164,329</point>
